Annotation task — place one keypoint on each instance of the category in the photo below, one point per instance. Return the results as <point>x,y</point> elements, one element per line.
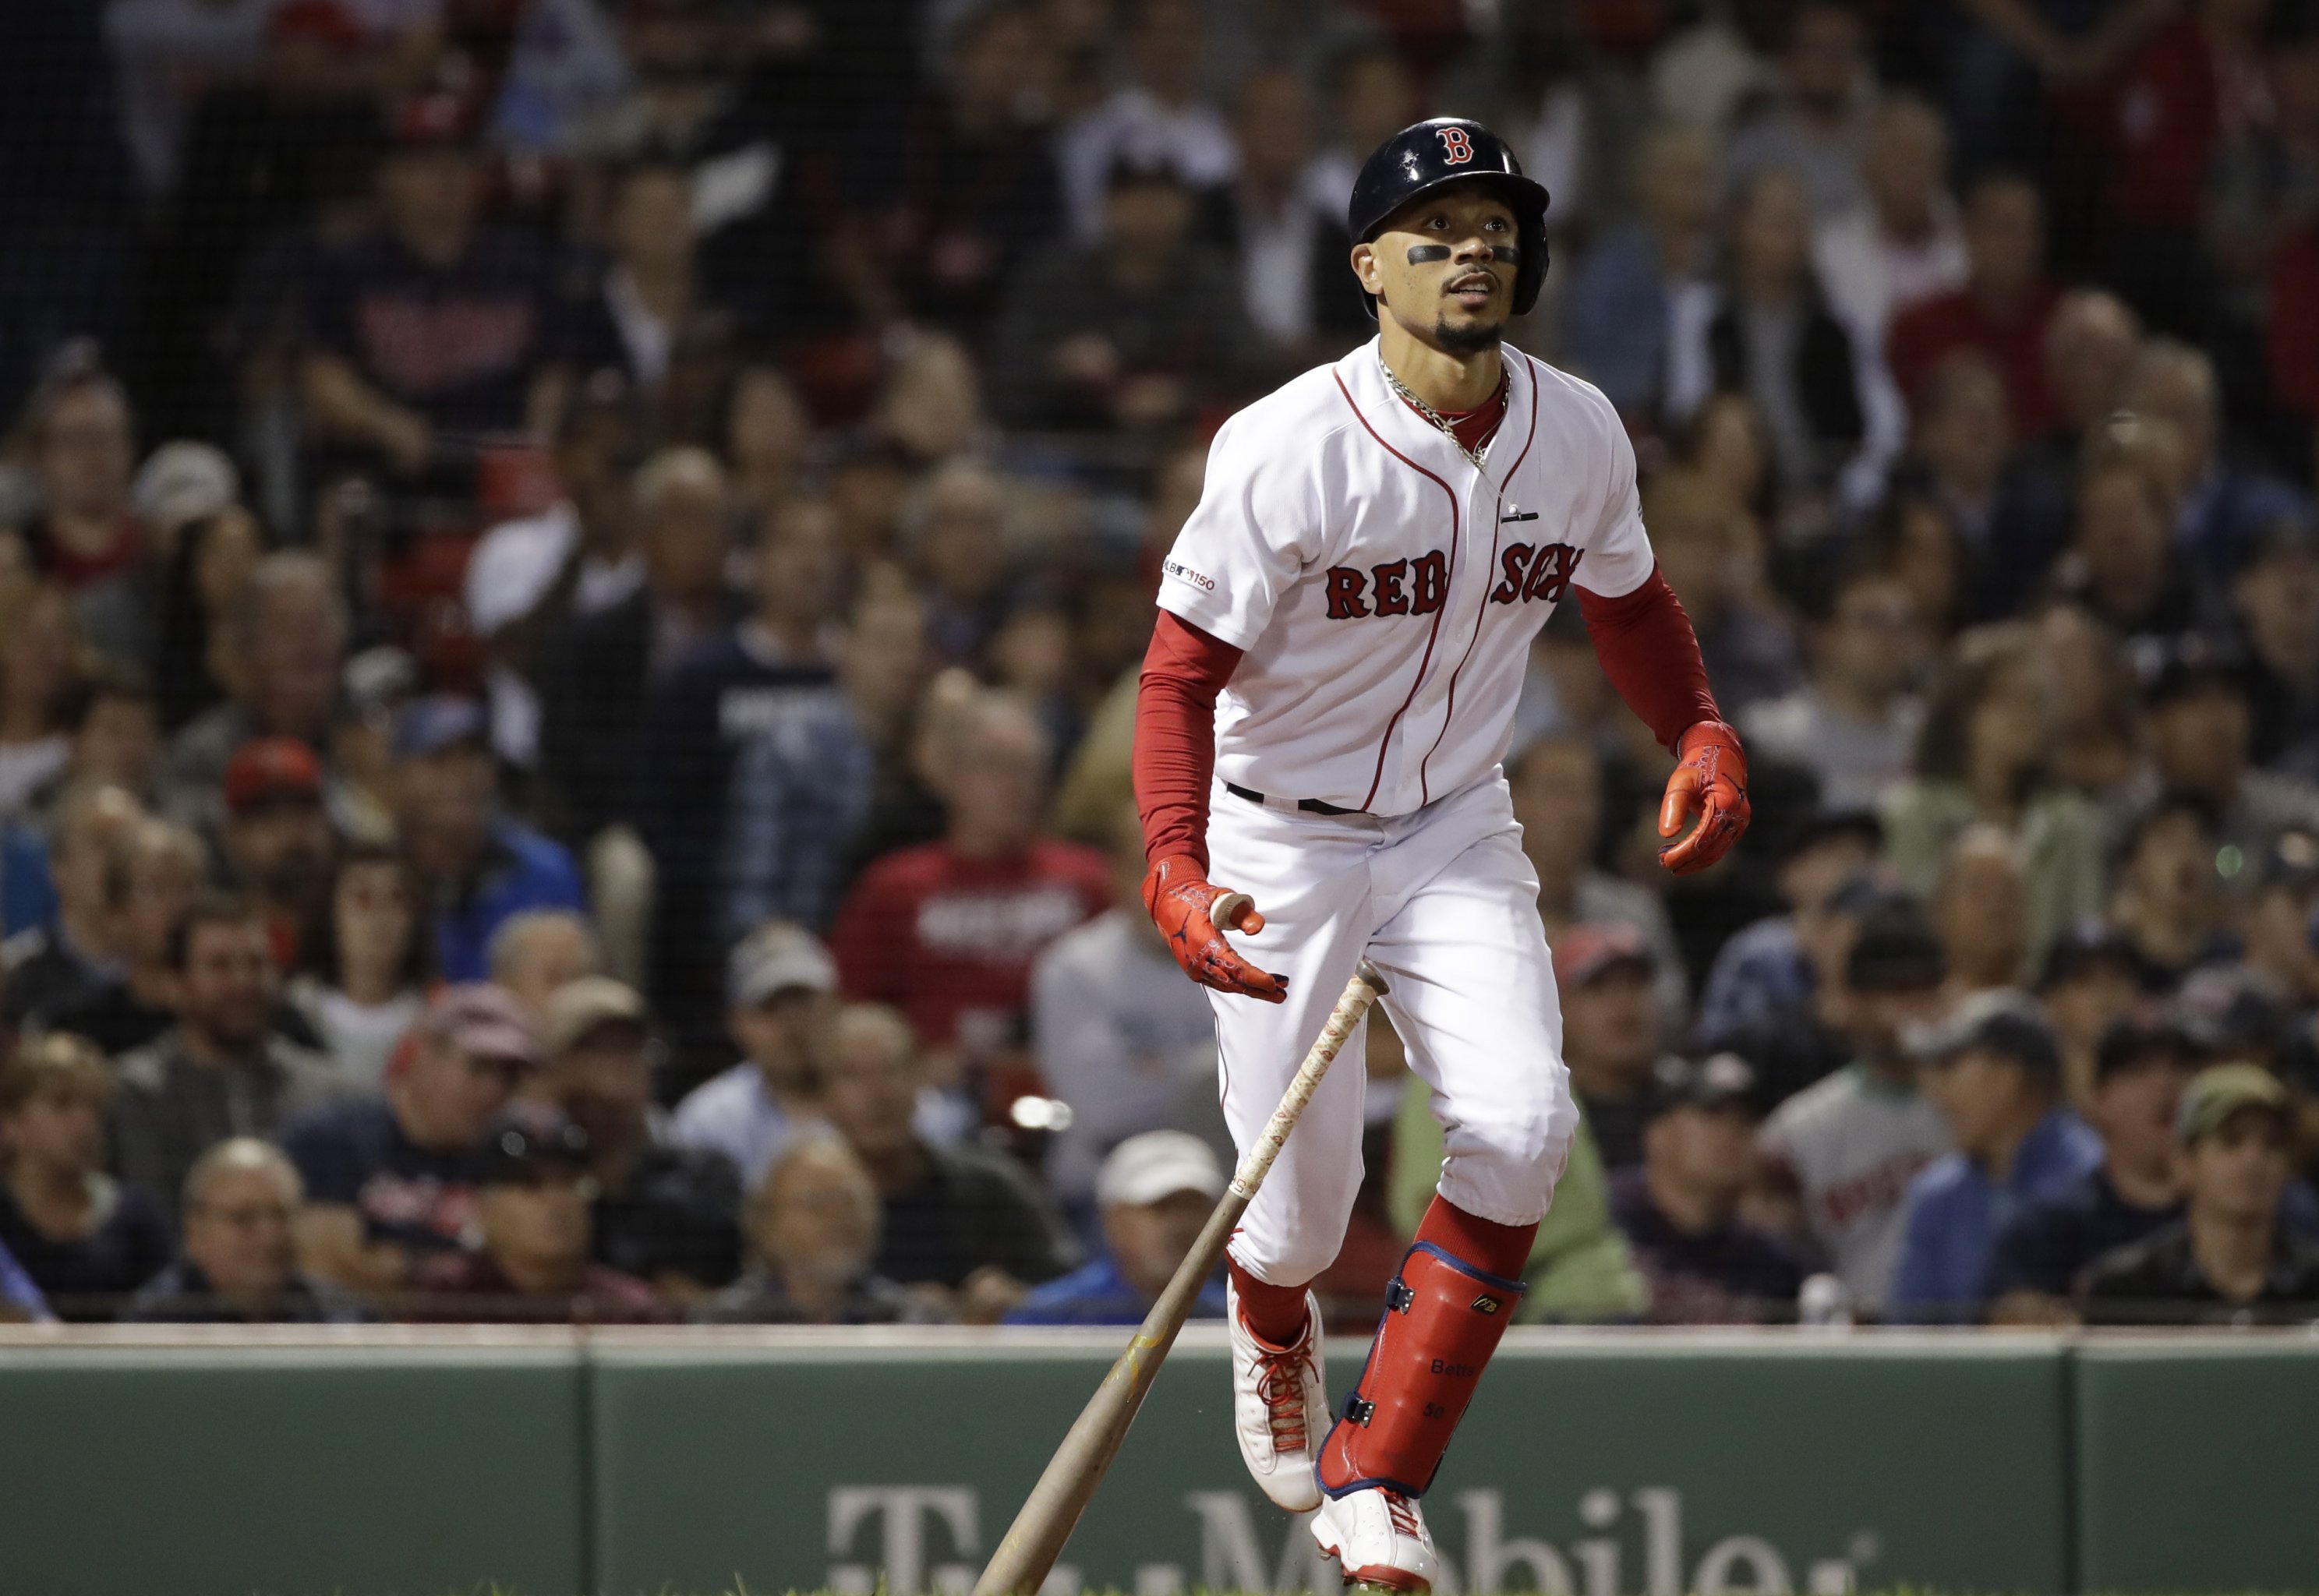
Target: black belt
<point>1310,806</point>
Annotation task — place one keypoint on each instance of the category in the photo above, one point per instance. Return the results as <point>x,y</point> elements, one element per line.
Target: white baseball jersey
<point>1854,1142</point>
<point>1384,592</point>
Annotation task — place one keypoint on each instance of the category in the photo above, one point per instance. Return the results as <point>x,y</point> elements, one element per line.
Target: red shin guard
<point>1443,1319</point>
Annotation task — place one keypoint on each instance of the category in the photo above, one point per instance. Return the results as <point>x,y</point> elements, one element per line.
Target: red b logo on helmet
<point>1457,148</point>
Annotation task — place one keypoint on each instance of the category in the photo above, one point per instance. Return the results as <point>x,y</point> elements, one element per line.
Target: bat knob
<point>1371,977</point>
<point>1228,908</point>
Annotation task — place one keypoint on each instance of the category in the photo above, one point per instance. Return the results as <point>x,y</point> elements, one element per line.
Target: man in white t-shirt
<point>1842,1153</point>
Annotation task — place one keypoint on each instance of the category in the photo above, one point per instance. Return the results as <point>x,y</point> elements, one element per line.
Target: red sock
<point>1275,1313</point>
<point>1500,1249</point>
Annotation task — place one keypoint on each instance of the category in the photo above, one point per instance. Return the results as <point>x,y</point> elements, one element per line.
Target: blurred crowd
<point>572,573</point>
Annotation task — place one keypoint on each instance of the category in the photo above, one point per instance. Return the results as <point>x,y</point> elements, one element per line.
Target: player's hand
<point>1709,784</point>
<point>1179,896</point>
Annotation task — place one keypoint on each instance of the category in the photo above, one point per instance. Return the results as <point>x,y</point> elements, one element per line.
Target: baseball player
<point>1330,685</point>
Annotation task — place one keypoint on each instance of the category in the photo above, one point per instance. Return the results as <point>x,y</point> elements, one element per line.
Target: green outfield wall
<point>1593,1464</point>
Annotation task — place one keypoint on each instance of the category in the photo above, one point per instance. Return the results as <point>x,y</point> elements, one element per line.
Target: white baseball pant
<point>1445,903</point>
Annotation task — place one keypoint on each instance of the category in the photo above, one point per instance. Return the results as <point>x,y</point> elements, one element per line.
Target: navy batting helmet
<point>1429,155</point>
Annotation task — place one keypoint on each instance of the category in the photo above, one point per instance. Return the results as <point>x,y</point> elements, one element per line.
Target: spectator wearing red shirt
<point>947,932</point>
<point>2196,89</point>
<point>2001,310</point>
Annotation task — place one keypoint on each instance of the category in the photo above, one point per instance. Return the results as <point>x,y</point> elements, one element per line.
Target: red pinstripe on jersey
<point>1449,709</point>
<point>1450,586</point>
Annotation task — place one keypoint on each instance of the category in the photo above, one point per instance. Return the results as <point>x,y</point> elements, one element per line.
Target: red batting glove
<point>1709,783</point>
<point>1177,893</point>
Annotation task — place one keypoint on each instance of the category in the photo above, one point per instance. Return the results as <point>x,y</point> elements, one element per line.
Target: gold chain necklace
<point>1476,457</point>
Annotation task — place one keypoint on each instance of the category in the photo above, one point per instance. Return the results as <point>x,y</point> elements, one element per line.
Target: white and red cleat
<point>1280,1406</point>
<point>1379,1538</point>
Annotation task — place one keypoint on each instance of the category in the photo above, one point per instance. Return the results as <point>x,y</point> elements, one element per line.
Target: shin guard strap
<point>1443,1319</point>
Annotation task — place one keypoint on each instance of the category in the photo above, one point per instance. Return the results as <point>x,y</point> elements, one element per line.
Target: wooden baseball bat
<point>1052,1511</point>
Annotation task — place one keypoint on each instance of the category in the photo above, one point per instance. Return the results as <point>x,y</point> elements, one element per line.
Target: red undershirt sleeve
<point>1651,655</point>
<point>1183,670</point>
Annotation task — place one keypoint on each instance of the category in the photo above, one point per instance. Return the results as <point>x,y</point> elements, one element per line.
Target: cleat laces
<point>1281,1384</point>
<point>1403,1514</point>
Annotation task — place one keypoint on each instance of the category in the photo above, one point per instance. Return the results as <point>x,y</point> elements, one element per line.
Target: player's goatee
<point>1465,340</point>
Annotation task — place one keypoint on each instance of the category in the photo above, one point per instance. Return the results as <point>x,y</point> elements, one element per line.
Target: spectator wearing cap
<point>1769,977</point>
<point>2275,600</point>
<point>224,1069</point>
<point>1132,332</point>
<point>2044,1249</point>
<point>391,1179</point>
<point>597,665</point>
<point>782,984</point>
<point>285,640</point>
<point>2199,731</point>
<point>2167,900</point>
<point>960,1218</point>
<point>1610,1034</point>
<point>2092,979</point>
<point>238,1261</point>
<point>75,952</point>
<point>155,877</point>
<point>481,865</point>
<point>1838,1156</point>
<point>948,930</point>
<point>278,840</point>
<point>1995,1072</point>
<point>531,575</point>
<point>536,954</point>
<point>813,1240</point>
<point>1113,1035</point>
<point>532,1215</point>
<point>766,677</point>
<point>1680,1208</point>
<point>1557,787</point>
<point>84,1239</point>
<point>373,961</point>
<point>663,1214</point>
<point>2231,1258</point>
<point>1854,723</point>
<point>375,687</point>
<point>430,323</point>
<point>1154,1192</point>
<point>2275,931</point>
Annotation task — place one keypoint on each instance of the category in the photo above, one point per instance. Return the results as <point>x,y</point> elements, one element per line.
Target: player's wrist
<point>1717,733</point>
